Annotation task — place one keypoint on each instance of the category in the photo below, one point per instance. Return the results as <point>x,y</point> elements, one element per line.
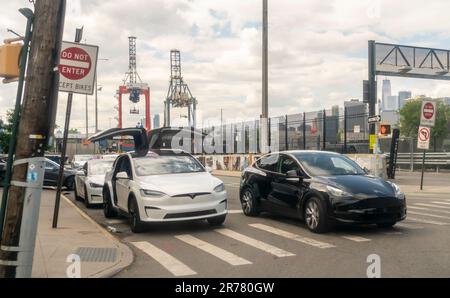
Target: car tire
<point>217,221</point>
<point>249,203</point>
<point>386,225</point>
<point>315,216</point>
<point>70,183</point>
<point>108,209</point>
<point>136,224</point>
<point>86,198</point>
<point>77,196</point>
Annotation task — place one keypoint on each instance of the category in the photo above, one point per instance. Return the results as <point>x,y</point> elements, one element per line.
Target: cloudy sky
<point>318,50</point>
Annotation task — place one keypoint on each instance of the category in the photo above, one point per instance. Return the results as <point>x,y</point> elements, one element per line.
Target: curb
<point>126,255</point>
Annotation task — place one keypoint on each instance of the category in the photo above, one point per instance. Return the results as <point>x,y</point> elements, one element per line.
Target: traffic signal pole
<point>22,212</point>
<point>372,89</point>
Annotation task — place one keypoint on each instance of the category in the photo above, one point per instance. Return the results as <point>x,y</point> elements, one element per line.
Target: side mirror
<point>366,170</point>
<point>122,176</point>
<point>81,173</point>
<point>209,169</point>
<point>293,176</point>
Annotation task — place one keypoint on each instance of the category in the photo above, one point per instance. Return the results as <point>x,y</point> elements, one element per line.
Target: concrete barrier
<point>375,163</point>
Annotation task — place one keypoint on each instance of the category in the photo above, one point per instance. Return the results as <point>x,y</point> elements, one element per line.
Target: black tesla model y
<point>321,188</point>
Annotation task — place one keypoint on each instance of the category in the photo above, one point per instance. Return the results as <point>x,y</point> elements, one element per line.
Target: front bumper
<point>171,209</point>
<point>369,211</point>
<point>95,195</point>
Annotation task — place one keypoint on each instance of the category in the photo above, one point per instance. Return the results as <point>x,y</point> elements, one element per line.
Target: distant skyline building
<point>156,121</point>
<point>402,97</point>
<point>356,115</point>
<point>335,111</point>
<point>391,103</point>
<point>386,92</point>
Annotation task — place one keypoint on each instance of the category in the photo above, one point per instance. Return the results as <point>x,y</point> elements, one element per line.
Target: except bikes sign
<point>428,113</point>
<point>77,67</point>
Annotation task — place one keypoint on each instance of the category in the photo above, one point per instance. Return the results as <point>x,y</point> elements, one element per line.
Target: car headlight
<point>152,193</point>
<point>219,188</point>
<point>336,192</point>
<point>95,185</point>
<point>397,189</point>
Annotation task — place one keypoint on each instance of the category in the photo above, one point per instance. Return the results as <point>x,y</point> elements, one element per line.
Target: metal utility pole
<point>265,60</point>
<point>372,88</point>
<point>87,118</point>
<point>19,233</point>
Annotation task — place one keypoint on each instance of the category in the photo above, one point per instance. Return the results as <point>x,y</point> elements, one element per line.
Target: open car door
<point>139,136</point>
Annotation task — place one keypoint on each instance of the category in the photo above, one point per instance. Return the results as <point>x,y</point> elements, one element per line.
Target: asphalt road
<point>272,246</point>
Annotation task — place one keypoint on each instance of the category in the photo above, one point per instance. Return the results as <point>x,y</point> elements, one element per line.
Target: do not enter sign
<point>77,68</point>
<point>428,113</point>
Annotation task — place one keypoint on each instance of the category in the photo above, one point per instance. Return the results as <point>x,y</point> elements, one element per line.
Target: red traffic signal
<point>385,129</point>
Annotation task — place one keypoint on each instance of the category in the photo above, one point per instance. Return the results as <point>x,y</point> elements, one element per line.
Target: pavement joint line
<point>440,203</point>
<point>114,269</point>
<point>431,205</point>
<point>428,209</point>
<point>409,226</point>
<point>430,215</point>
<point>213,250</point>
<point>172,264</point>
<point>292,236</point>
<point>278,252</point>
<point>431,222</point>
<point>235,211</point>
<point>356,238</point>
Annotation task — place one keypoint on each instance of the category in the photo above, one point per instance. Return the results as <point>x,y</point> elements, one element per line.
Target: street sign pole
<point>423,142</point>
<point>423,169</point>
<point>78,36</point>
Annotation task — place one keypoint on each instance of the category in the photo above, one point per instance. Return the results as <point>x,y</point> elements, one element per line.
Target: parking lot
<point>272,246</point>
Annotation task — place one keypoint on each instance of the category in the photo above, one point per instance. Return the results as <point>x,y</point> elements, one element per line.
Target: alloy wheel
<point>312,214</point>
<point>247,201</point>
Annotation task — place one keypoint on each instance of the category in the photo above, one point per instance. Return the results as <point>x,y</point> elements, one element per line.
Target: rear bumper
<point>370,211</point>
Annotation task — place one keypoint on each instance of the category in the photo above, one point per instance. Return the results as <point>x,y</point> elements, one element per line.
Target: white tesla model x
<point>89,181</point>
<point>163,186</point>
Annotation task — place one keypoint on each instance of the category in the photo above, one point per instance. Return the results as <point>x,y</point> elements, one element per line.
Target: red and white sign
<point>428,113</point>
<point>77,68</point>
<point>423,138</point>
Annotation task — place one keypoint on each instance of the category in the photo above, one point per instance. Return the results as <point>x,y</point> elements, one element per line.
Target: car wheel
<point>386,225</point>
<point>86,198</point>
<point>70,182</point>
<point>217,221</point>
<point>249,203</point>
<point>136,224</point>
<point>108,210</point>
<point>77,196</point>
<point>315,216</point>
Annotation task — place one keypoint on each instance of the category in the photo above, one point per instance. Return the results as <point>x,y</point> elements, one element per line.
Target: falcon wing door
<point>139,136</point>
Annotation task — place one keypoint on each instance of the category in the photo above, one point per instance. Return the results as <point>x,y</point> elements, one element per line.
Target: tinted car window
<point>287,164</point>
<point>328,164</point>
<point>269,163</point>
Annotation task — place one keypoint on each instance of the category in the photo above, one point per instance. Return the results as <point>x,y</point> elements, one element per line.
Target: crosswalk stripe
<point>235,211</point>
<point>292,236</point>
<point>428,209</point>
<point>169,262</point>
<point>433,206</point>
<point>440,203</point>
<point>255,243</point>
<point>218,252</point>
<point>408,226</point>
<point>431,222</point>
<point>427,214</point>
<point>356,238</point>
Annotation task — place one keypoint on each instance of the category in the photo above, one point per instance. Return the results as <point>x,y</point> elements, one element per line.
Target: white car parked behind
<point>163,186</point>
<point>89,181</point>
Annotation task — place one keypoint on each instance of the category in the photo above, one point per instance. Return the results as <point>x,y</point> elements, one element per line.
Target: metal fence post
<point>304,130</point>
<point>324,132</point>
<point>286,141</point>
<point>345,130</point>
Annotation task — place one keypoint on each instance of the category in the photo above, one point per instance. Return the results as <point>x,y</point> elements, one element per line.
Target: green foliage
<point>410,119</point>
<point>6,131</point>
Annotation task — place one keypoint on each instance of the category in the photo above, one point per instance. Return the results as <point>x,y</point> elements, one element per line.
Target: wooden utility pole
<point>38,105</point>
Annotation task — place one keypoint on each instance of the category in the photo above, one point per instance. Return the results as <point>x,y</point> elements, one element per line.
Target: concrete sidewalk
<point>101,254</point>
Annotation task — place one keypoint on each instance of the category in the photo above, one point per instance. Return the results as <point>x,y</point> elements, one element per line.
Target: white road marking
<point>427,214</point>
<point>233,184</point>
<point>431,205</point>
<point>440,203</point>
<point>431,222</point>
<point>256,243</point>
<point>169,262</point>
<point>428,209</point>
<point>356,238</point>
<point>409,226</point>
<point>235,211</point>
<point>217,252</point>
<point>292,236</point>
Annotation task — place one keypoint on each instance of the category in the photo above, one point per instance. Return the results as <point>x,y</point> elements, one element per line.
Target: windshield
<point>100,168</point>
<point>161,165</point>
<point>328,164</point>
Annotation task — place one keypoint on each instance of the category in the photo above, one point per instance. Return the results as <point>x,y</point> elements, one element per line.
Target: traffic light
<point>385,129</point>
<point>9,60</point>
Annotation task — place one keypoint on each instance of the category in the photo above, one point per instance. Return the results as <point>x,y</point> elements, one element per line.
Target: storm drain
<point>97,254</point>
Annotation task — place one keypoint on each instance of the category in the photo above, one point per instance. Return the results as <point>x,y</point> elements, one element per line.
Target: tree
<point>410,119</point>
<point>6,131</point>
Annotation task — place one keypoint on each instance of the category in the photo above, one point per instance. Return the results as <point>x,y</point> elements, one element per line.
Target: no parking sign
<point>77,68</point>
<point>423,138</point>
